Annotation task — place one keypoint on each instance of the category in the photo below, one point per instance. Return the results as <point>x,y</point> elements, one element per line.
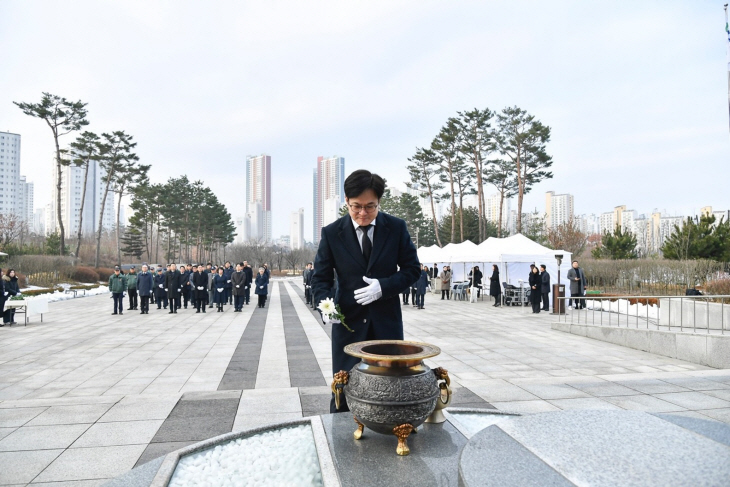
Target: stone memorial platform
<point>486,448</point>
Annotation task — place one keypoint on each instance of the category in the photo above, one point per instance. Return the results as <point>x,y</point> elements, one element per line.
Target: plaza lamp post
<point>558,291</point>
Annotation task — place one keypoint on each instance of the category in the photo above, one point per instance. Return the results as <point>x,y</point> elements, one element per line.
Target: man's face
<point>364,207</point>
<point>575,265</point>
<point>132,270</point>
<point>173,267</point>
<point>245,263</point>
<point>116,272</point>
<point>144,268</point>
<point>238,268</point>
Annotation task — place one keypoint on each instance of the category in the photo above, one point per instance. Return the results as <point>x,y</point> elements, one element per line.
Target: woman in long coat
<point>535,290</point>
<point>445,278</point>
<point>11,287</point>
<point>421,286</point>
<point>219,289</point>
<point>495,287</point>
<point>262,286</point>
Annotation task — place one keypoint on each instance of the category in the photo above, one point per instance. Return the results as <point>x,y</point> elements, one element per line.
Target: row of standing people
<point>201,286</point>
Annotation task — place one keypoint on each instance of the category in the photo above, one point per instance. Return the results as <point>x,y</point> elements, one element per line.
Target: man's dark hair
<point>574,262</point>
<point>542,266</point>
<point>360,181</point>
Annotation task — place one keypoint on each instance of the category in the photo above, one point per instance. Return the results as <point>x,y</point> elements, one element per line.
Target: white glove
<point>220,289</point>
<point>165,289</point>
<point>200,288</point>
<point>228,280</point>
<point>179,289</point>
<point>6,293</point>
<point>160,286</point>
<point>261,287</point>
<point>237,286</point>
<point>370,293</point>
<point>245,287</point>
<point>330,321</point>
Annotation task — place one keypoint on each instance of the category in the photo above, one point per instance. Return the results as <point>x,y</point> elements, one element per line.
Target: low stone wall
<point>698,348</point>
<point>694,313</point>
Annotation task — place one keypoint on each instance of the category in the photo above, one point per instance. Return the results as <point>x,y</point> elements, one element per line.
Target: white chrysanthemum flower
<point>327,306</point>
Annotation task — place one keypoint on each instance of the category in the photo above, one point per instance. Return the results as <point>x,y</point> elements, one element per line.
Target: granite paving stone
<point>694,400</point>
<point>83,413</point>
<point>42,437</point>
<point>92,463</point>
<point>119,433</point>
<point>21,467</point>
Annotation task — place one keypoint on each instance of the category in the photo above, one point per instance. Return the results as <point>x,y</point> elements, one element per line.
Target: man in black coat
<point>247,282</point>
<point>185,286</point>
<point>374,260</point>
<point>160,293</point>
<point>173,286</point>
<point>237,281</point>
<point>200,289</point>
<point>545,280</point>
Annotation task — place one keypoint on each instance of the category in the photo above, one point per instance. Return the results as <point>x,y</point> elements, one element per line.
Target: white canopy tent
<point>513,255</point>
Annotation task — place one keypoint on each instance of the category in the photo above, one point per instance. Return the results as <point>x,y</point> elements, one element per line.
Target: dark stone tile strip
<point>304,369</point>
<point>191,421</point>
<point>244,364</point>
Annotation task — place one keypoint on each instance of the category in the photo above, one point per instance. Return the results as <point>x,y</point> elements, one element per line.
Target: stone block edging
<point>698,348</point>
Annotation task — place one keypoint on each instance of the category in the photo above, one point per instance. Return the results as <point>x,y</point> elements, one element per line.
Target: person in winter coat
<point>191,286</point>
<point>247,283</point>
<point>445,277</point>
<point>227,271</point>
<point>10,282</point>
<point>535,289</point>
<point>495,287</point>
<point>117,286</point>
<point>578,284</point>
<point>237,281</point>
<point>145,288</point>
<point>173,287</point>
<point>211,275</point>
<point>185,287</point>
<point>132,288</point>
<point>262,286</point>
<point>219,289</point>
<point>200,288</point>
<point>545,289</point>
<point>475,283</point>
<point>307,283</point>
<point>421,285</point>
<point>160,293</point>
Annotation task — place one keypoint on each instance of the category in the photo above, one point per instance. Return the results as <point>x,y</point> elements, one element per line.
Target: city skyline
<point>636,95</point>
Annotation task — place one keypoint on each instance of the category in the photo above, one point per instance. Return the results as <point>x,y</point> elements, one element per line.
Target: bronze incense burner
<point>391,390</point>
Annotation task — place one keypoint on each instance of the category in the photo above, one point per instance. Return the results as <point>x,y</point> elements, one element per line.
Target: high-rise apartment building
<point>258,197</point>
<point>24,204</point>
<point>296,229</point>
<point>72,187</point>
<point>329,192</point>
<point>491,210</point>
<point>558,209</point>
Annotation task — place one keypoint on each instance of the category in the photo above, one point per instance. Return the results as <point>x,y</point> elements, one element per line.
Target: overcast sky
<point>635,92</point>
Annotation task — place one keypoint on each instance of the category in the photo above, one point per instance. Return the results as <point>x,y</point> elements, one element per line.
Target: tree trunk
<point>81,211</point>
<point>453,203</point>
<point>101,216</point>
<point>501,203</point>
<point>520,189</point>
<point>58,193</point>
<point>433,210</point>
<point>119,227</point>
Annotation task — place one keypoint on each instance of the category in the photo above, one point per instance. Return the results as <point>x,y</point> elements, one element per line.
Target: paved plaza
<point>86,396</point>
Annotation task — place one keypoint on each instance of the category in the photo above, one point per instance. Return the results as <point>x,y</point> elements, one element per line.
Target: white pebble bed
<point>281,457</point>
<point>475,422</point>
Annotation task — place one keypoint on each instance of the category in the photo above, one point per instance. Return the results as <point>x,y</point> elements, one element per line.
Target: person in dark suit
<point>220,296</point>
<point>200,288</point>
<point>545,280</point>
<point>145,288</point>
<point>374,260</point>
<point>421,285</point>
<point>247,282</point>
<point>160,293</point>
<point>262,286</point>
<point>173,287</point>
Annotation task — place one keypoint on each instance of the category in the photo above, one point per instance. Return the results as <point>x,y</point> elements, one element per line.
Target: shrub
<point>84,274</point>
<point>104,273</point>
<point>86,287</point>
<point>718,287</point>
<point>36,292</point>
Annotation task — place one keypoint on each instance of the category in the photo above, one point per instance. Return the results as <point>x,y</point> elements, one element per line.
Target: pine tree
<point>616,246</point>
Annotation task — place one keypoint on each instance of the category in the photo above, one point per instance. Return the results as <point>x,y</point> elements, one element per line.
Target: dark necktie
<point>367,245</point>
